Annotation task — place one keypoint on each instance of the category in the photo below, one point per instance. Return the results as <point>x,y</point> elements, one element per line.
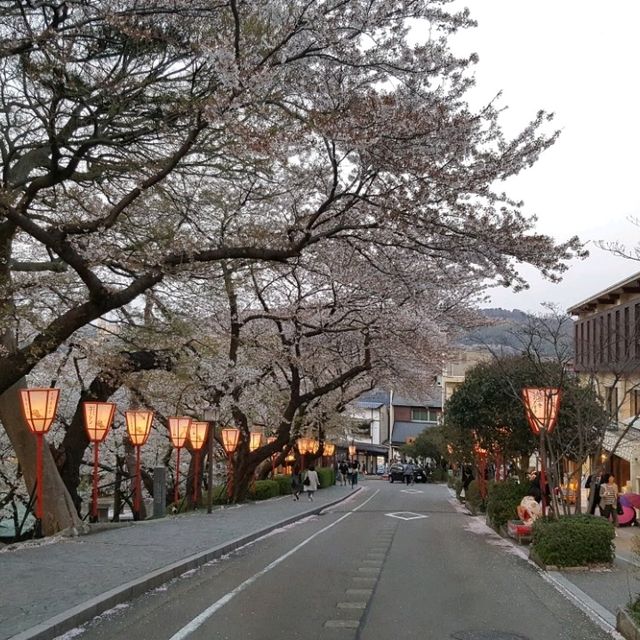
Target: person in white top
<point>311,481</point>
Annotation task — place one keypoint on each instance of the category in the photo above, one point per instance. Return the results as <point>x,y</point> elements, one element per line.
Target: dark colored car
<point>397,472</point>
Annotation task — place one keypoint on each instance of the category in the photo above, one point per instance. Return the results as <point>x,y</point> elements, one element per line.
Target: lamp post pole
<point>211,416</point>
<point>542,406</point>
<point>98,417</point>
<point>39,408</point>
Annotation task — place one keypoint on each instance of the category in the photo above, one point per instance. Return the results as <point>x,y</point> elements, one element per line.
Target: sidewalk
<point>50,586</point>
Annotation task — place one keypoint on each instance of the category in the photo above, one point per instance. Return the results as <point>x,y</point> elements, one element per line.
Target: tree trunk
<point>59,511</point>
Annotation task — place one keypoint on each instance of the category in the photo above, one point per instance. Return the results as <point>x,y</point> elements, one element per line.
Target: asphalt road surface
<point>391,563</point>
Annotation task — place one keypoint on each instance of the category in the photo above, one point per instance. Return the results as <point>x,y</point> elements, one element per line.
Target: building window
<point>423,414</point>
<point>609,337</point>
<point>627,334</point>
<point>617,337</point>
<point>612,403</point>
<point>635,402</point>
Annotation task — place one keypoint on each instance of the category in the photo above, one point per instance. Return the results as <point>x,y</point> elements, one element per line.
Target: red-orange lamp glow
<point>138,427</point>
<point>178,432</point>
<point>255,440</point>
<point>197,437</point>
<point>230,439</point>
<point>39,408</point>
<point>98,417</point>
<point>352,450</point>
<point>542,406</point>
<point>329,449</point>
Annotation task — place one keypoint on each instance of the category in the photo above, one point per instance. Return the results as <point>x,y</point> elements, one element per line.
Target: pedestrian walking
<point>609,499</point>
<point>311,481</point>
<point>296,483</point>
<point>407,474</point>
<point>593,483</point>
<point>353,468</point>
<point>344,473</point>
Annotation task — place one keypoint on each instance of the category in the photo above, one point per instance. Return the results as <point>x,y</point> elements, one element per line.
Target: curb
<point>78,615</point>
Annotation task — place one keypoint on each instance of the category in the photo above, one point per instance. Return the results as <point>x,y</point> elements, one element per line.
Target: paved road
<point>358,572</point>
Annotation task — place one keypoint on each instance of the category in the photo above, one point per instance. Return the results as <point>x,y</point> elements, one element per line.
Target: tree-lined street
<point>357,572</point>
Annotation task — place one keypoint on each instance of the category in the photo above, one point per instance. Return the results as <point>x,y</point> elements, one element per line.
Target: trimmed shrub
<point>473,499</point>
<point>573,541</point>
<point>264,489</point>
<point>502,501</point>
<point>439,475</point>
<point>284,484</point>
<point>457,487</point>
<point>218,496</point>
<point>327,476</point>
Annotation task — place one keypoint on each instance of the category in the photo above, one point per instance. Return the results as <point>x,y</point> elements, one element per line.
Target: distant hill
<point>502,333</point>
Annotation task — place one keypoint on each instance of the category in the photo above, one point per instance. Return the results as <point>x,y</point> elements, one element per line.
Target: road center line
<point>200,619</point>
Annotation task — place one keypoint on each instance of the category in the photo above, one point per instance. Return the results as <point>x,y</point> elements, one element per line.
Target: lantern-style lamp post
<point>98,417</point>
<point>197,437</point>
<point>138,427</point>
<point>329,450</point>
<point>255,440</point>
<point>352,451</point>
<point>230,439</point>
<point>304,446</point>
<point>178,432</point>
<point>542,405</point>
<point>39,408</point>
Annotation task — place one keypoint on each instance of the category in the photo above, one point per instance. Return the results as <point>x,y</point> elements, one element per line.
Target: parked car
<point>397,472</point>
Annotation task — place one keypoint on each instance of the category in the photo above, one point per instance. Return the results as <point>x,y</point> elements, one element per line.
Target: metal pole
<point>210,476</point>
<point>543,484</point>
<point>94,504</point>
<point>196,478</point>
<point>39,492</point>
<point>176,489</point>
<point>137,500</point>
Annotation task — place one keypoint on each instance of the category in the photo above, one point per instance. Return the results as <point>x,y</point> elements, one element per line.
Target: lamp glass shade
<point>198,434</point>
<point>138,425</point>
<point>179,430</point>
<point>230,438</point>
<point>39,408</point>
<point>315,445</point>
<point>255,440</point>
<point>352,450</point>
<point>271,439</point>
<point>329,448</point>
<point>304,445</point>
<point>98,417</point>
<point>541,405</point>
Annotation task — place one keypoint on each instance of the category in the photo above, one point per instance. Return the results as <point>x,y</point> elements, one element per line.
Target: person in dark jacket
<point>296,483</point>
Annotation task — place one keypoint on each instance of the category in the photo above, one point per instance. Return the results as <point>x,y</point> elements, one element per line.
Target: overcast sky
<point>580,60</point>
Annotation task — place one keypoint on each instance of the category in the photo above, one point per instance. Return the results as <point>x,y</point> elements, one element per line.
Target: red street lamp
<point>230,439</point>
<point>542,405</point>
<point>304,446</point>
<point>329,449</point>
<point>39,408</point>
<point>255,440</point>
<point>98,417</point>
<point>352,450</point>
<point>178,432</point>
<point>138,427</point>
<point>197,437</point>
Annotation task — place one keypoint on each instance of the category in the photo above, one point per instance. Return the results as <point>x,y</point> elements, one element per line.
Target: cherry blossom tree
<point>145,143</point>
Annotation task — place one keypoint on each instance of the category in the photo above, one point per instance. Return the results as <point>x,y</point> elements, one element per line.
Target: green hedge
<point>573,541</point>
<point>264,489</point>
<point>327,476</point>
<point>284,484</point>
<point>457,487</point>
<point>502,501</point>
<point>439,475</point>
<point>473,499</point>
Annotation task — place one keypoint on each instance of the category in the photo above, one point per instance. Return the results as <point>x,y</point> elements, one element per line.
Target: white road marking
<point>405,515</point>
<point>352,605</point>
<point>342,624</point>
<point>200,619</point>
